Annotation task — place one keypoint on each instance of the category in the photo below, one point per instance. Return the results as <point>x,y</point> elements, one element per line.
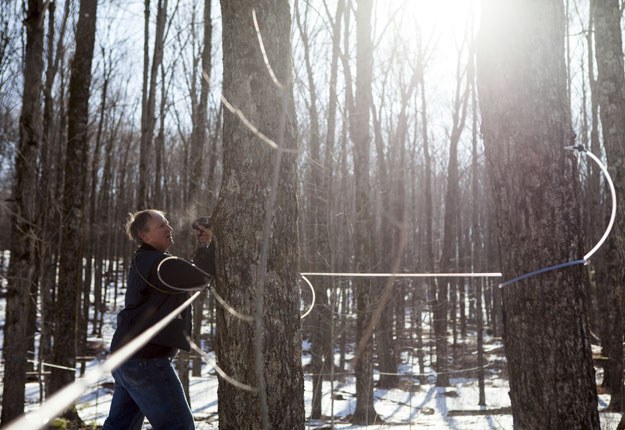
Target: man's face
<point>159,234</point>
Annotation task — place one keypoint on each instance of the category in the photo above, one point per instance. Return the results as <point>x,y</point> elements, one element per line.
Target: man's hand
<point>203,235</point>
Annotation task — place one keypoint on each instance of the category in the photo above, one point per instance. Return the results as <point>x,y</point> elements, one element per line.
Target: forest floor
<point>412,405</point>
<point>415,403</point>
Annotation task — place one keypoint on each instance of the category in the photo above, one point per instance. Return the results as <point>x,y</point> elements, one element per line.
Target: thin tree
<point>427,223</point>
<point>258,247</point>
<point>198,134</point>
<point>345,243</point>
<point>359,131</point>
<point>476,242</point>
<point>149,98</point>
<point>22,264</point>
<point>96,216</point>
<point>526,124</point>
<point>142,191</point>
<point>73,205</point>
<point>317,246</point>
<point>198,142</point>
<point>329,183</point>
<point>49,182</point>
<point>451,224</point>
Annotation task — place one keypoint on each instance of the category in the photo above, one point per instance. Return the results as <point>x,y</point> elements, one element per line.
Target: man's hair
<point>138,222</point>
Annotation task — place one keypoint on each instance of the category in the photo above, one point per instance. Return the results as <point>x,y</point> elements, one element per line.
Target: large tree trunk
<point>242,209</point>
<point>526,123</point>
<point>73,207</point>
<point>22,264</point>
<point>611,90</point>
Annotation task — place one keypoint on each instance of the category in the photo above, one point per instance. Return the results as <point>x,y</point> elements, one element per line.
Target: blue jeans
<point>148,388</point>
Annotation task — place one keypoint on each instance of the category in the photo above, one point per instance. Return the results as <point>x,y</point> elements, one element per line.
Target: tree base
<point>70,420</point>
<point>366,418</point>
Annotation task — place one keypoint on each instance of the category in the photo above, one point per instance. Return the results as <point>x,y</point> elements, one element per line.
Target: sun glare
<point>443,26</point>
<point>446,19</point>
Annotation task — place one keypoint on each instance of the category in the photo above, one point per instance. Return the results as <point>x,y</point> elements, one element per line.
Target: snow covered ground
<point>423,406</point>
<point>428,406</point>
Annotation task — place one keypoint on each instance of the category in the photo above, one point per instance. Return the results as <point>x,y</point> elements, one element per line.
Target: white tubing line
<point>173,257</point>
<point>212,289</point>
<point>262,50</point>
<point>56,366</point>
<point>217,296</point>
<point>434,373</point>
<point>247,123</point>
<point>405,275</point>
<point>219,370</point>
<point>57,403</point>
<point>312,291</point>
<point>613,214</point>
<point>229,308</point>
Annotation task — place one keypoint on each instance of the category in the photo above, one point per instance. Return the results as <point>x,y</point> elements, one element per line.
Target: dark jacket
<point>148,300</point>
<point>205,258</point>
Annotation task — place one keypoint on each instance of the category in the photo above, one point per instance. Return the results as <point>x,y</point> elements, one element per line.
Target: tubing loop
<point>220,299</point>
<point>606,233</point>
<point>173,257</point>
<point>312,291</point>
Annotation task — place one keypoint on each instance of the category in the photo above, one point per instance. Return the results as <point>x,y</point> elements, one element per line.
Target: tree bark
<point>22,263</point>
<point>142,193</point>
<point>73,206</point>
<point>148,116</point>
<point>526,123</point>
<point>593,199</point>
<point>243,205</point>
<point>48,183</point>
<point>611,90</point>
<point>359,130</point>
<point>386,251</point>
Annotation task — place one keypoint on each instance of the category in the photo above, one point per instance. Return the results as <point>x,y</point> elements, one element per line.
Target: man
<point>146,385</point>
